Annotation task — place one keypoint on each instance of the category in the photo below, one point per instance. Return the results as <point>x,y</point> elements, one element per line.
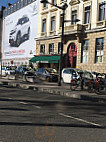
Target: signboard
<point>20,29</point>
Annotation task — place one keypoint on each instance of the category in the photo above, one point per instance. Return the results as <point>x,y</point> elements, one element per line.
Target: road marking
<point>27,103</point>
<point>10,98</point>
<point>38,107</point>
<point>82,120</point>
<point>23,103</point>
<point>45,97</point>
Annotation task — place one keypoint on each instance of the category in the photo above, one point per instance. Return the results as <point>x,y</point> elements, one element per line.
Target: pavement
<point>51,87</point>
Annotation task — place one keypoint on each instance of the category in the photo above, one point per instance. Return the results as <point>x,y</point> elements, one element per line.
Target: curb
<point>54,91</point>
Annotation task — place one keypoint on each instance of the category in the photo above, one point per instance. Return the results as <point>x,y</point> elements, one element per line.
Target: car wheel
<point>28,34</point>
<point>18,39</point>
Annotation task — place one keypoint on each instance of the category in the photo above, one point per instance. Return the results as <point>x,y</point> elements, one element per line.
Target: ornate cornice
<point>74,2</point>
<point>85,0</point>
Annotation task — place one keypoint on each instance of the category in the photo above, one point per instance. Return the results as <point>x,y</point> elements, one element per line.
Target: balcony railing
<point>72,29</point>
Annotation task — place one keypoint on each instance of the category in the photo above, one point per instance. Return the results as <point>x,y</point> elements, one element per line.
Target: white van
<point>67,74</point>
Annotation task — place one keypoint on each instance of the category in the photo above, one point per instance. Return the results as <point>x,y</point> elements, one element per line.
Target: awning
<point>45,59</point>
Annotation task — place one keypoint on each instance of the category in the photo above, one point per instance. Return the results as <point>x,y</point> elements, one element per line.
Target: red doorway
<point>72,53</point>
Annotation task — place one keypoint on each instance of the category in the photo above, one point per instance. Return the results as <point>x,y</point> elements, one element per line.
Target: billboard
<point>20,29</point>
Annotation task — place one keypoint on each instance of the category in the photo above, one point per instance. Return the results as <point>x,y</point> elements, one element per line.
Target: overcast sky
<point>5,2</point>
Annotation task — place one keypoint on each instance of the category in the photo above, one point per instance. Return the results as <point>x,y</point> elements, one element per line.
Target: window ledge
<point>84,62</point>
<point>101,23</point>
<point>43,33</point>
<point>52,32</point>
<point>87,26</point>
<point>42,53</point>
<point>44,8</point>
<point>85,0</point>
<point>97,63</point>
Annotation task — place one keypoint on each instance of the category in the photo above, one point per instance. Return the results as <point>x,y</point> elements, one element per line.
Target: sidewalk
<point>50,87</point>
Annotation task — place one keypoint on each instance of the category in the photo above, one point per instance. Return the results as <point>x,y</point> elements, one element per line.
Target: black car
<point>47,74</point>
<point>23,73</point>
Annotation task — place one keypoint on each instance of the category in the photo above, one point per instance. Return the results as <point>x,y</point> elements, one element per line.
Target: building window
<point>59,48</point>
<point>15,7</point>
<point>99,50</point>
<point>45,5</point>
<point>84,51</point>
<point>25,63</point>
<point>54,1</point>
<point>44,25</point>
<point>8,11</point>
<point>42,48</point>
<point>25,2</point>
<point>51,48</point>
<point>29,1</point>
<point>101,11</point>
<point>18,5</point>
<point>87,15</point>
<point>22,3</point>
<point>11,8</point>
<point>5,12</point>
<point>74,16</point>
<point>53,23</point>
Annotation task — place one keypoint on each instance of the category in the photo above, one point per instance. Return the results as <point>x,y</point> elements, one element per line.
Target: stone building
<point>84,41</point>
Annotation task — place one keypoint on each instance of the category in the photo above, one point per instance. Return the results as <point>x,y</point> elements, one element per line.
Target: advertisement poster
<point>20,31</point>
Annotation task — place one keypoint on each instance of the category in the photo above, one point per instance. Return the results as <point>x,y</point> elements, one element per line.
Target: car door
<point>67,75</point>
<point>42,74</point>
<point>38,72</point>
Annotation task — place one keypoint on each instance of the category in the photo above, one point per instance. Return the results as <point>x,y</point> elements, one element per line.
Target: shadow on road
<point>50,124</point>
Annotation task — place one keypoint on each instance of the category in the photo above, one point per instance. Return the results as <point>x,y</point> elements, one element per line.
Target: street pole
<point>61,53</point>
<point>1,21</point>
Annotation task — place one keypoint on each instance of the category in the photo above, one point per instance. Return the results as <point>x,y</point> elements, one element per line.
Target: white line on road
<point>27,103</point>
<point>23,103</point>
<point>38,107</point>
<point>10,98</point>
<point>82,120</point>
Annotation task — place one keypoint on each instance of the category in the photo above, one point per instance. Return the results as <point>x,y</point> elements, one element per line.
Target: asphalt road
<point>31,116</point>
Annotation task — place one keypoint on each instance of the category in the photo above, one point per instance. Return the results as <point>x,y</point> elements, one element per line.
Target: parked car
<point>67,74</point>
<point>20,32</point>
<point>47,74</point>
<point>23,72</point>
<point>7,71</point>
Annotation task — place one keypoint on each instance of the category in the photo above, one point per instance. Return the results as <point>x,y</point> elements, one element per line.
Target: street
<point>32,116</point>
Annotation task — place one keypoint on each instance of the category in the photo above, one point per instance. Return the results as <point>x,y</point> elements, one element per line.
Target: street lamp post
<point>63,8</point>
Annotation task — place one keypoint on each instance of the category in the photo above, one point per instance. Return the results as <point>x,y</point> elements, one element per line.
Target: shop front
<point>51,61</point>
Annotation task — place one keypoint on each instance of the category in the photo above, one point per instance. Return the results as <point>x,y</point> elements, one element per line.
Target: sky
<point>5,2</point>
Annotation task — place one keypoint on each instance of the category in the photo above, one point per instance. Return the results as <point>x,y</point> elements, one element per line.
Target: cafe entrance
<point>72,55</point>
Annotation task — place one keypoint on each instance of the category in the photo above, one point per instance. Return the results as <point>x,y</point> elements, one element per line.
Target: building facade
<point>84,41</point>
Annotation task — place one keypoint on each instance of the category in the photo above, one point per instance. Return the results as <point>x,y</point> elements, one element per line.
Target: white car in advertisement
<point>20,32</point>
